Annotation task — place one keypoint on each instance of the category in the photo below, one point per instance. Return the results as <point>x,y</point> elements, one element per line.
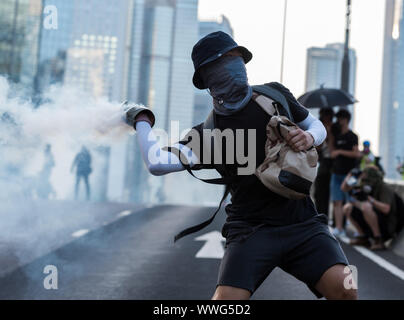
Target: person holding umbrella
<point>342,147</point>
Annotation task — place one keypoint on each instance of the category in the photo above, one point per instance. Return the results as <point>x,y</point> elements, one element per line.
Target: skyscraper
<point>162,82</point>
<point>91,39</point>
<point>19,39</point>
<point>203,101</point>
<point>392,96</point>
<point>324,65</point>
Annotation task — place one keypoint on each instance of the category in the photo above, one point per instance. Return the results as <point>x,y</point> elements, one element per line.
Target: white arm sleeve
<point>315,127</point>
<point>160,162</point>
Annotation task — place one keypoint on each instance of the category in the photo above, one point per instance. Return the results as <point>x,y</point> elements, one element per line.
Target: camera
<point>361,193</point>
<point>355,174</point>
<point>358,191</point>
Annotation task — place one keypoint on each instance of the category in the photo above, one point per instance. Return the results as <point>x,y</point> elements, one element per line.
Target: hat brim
<point>245,53</point>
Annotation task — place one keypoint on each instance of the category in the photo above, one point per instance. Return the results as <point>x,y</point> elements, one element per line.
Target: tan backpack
<point>284,171</point>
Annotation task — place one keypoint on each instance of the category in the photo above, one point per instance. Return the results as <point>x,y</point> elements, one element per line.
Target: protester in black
<point>345,154</point>
<point>263,229</point>
<point>82,163</point>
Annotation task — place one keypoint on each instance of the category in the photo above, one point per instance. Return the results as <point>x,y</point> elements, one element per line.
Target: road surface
<point>124,251</point>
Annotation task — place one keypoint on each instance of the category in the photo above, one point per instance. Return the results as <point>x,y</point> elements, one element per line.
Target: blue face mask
<point>228,84</point>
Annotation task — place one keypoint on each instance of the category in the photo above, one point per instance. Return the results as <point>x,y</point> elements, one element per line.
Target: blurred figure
<point>322,183</point>
<point>368,157</point>
<point>400,169</point>
<point>82,162</point>
<point>345,153</point>
<point>372,207</point>
<point>44,187</point>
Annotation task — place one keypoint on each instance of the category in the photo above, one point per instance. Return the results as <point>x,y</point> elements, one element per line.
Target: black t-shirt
<point>342,164</point>
<point>252,203</point>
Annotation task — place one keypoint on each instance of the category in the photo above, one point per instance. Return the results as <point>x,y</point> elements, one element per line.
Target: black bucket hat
<point>211,48</point>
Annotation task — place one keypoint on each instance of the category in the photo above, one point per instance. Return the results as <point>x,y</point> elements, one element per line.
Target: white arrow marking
<point>124,213</point>
<point>80,233</point>
<point>213,247</point>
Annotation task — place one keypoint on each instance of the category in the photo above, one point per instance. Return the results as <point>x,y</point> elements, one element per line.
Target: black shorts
<point>305,250</point>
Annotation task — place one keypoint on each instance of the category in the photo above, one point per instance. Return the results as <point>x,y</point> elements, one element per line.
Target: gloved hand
<point>134,111</point>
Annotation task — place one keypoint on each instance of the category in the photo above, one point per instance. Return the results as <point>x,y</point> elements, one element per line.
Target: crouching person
<point>371,208</point>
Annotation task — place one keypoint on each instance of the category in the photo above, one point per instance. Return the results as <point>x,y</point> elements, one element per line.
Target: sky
<point>258,24</point>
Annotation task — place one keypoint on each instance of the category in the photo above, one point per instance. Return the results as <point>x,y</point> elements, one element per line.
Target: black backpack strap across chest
<point>226,179</point>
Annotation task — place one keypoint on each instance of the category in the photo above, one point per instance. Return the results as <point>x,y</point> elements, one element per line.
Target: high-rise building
<point>323,68</point>
<point>90,48</point>
<point>162,81</point>
<point>90,39</point>
<point>203,101</point>
<point>19,40</point>
<point>392,96</point>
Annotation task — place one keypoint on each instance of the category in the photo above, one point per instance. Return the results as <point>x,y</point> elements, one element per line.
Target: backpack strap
<point>265,103</point>
<point>276,96</point>
<point>225,180</point>
<point>202,225</point>
<point>209,122</point>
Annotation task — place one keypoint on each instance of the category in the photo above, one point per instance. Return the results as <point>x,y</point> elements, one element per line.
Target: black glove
<point>133,110</point>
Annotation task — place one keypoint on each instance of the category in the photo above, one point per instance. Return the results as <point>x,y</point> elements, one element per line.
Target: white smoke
<point>67,120</point>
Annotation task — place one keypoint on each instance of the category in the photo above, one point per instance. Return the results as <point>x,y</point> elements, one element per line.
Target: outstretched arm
<point>158,161</point>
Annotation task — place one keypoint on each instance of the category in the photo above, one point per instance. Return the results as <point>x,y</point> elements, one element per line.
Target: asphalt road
<point>127,252</point>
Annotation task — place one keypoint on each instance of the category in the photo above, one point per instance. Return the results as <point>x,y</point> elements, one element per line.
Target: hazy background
<point>258,25</point>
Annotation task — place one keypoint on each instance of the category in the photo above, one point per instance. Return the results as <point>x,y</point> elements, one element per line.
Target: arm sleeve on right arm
<point>315,127</point>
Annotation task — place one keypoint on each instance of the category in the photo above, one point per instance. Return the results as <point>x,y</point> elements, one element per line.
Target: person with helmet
<point>368,157</point>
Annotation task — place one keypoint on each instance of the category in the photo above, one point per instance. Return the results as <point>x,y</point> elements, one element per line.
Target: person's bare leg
<point>331,284</point>
<point>347,209</point>
<point>338,215</point>
<point>230,293</point>
<point>371,218</point>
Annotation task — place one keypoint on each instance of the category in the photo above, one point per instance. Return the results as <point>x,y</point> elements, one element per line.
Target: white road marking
<point>124,213</point>
<point>80,233</point>
<point>377,259</point>
<point>213,247</point>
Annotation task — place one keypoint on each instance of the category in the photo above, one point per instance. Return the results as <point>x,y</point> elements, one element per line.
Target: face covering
<point>228,84</point>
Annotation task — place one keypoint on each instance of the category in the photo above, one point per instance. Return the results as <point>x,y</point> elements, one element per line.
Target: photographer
<point>371,207</point>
